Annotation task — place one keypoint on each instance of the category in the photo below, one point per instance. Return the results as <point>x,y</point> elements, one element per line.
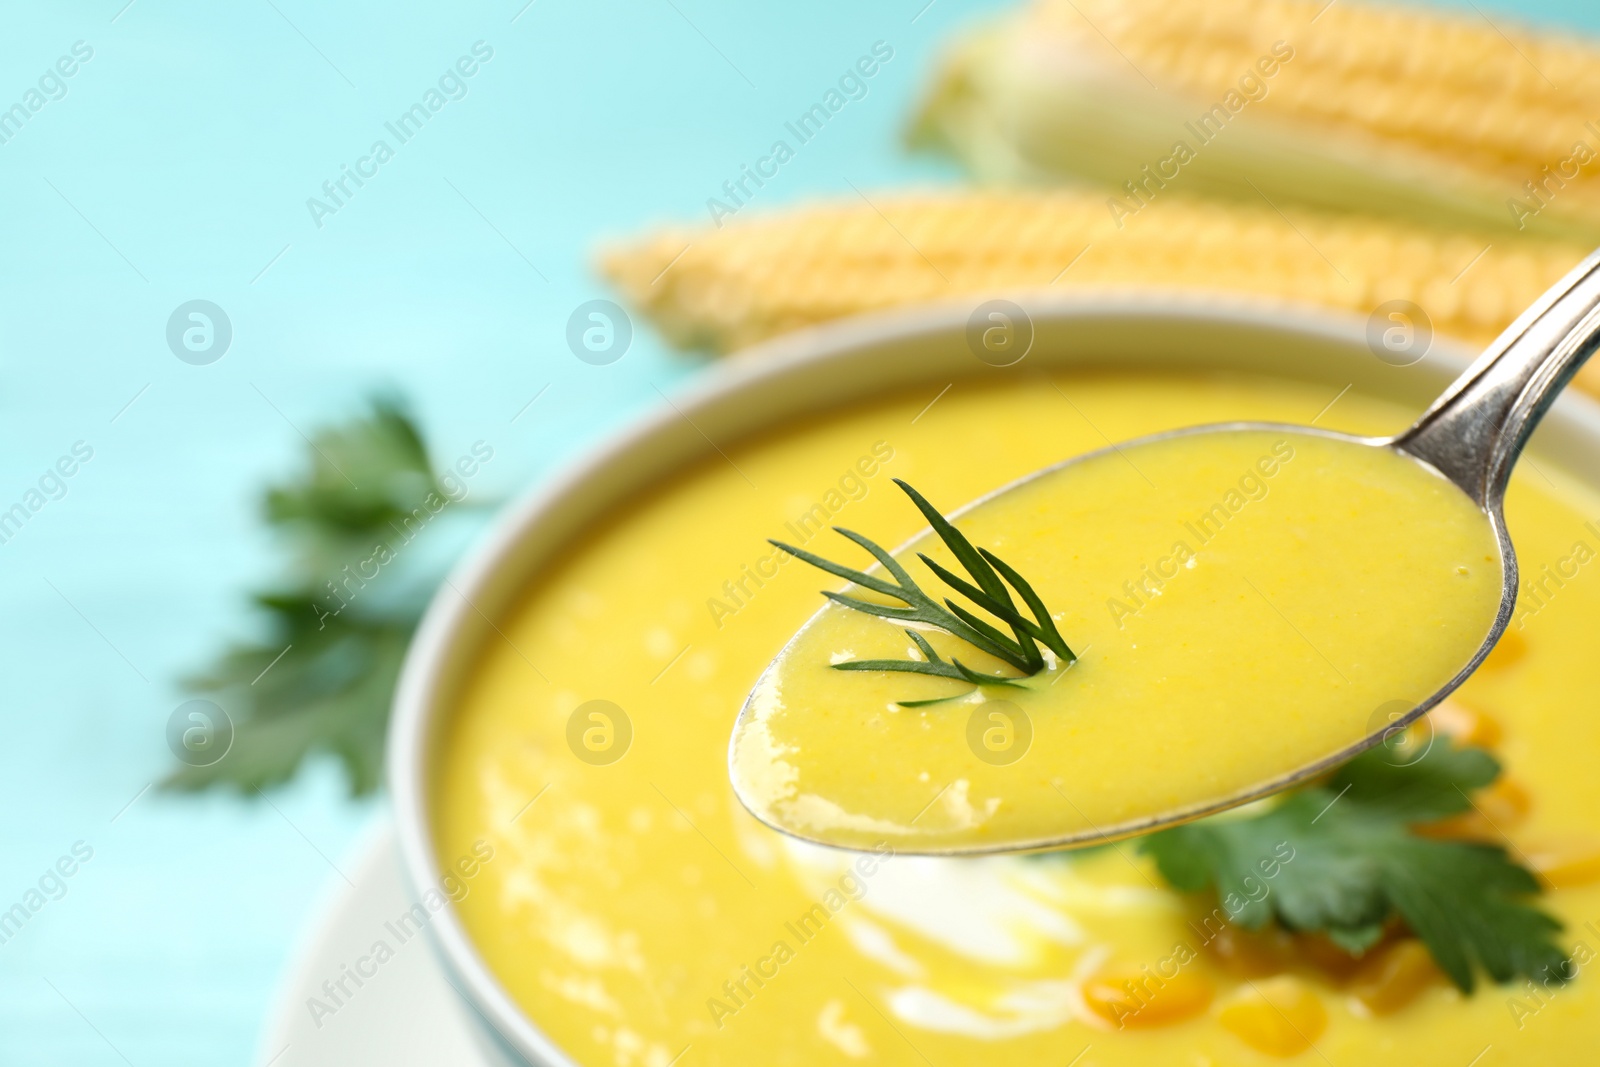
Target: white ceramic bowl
<point>811,372</point>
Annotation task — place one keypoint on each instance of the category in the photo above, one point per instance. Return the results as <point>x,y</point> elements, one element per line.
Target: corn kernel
<point>1394,976</point>
<point>1506,803</point>
<point>1497,809</point>
<point>1512,647</point>
<point>1327,957</point>
<point>1465,725</point>
<point>1279,1016</point>
<point>1138,1000</point>
<point>1566,865</point>
<point>1252,953</point>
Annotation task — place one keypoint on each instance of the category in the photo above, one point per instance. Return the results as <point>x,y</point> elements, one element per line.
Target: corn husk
<point>1431,117</point>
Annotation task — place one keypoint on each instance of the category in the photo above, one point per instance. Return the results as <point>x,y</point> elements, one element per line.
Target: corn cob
<point>1433,117</point>
<point>722,289</point>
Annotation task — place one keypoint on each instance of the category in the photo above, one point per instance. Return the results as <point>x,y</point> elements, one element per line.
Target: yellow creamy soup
<point>636,911</point>
<point>1245,602</point>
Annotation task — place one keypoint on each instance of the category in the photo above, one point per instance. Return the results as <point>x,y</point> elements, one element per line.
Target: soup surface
<point>641,916</point>
<point>1245,602</point>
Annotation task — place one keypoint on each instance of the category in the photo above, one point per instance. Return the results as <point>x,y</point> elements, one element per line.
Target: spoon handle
<point>1474,432</point>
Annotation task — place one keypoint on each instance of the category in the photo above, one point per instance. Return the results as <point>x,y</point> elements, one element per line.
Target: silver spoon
<point>1472,435</point>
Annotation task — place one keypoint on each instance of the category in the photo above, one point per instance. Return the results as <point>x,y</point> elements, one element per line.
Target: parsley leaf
<point>1341,857</point>
<point>322,674</point>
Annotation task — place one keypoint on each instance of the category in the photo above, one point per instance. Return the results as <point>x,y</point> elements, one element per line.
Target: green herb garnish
<point>323,672</point>
<point>1357,863</point>
<point>990,594</point>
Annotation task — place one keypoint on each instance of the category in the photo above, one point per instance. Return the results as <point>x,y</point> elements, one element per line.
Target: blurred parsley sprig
<point>1362,861</point>
<point>321,676</point>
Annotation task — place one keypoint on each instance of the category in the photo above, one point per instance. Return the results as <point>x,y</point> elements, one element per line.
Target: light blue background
<point>177,167</point>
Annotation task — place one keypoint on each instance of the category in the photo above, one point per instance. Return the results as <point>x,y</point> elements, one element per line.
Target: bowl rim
<point>447,625</point>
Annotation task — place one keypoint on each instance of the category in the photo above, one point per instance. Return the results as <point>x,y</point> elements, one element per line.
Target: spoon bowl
<point>1468,440</point>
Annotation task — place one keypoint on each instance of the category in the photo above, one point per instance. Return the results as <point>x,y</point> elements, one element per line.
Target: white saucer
<point>405,1013</point>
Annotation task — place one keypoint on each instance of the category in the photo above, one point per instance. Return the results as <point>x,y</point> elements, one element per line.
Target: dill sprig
<point>989,590</point>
